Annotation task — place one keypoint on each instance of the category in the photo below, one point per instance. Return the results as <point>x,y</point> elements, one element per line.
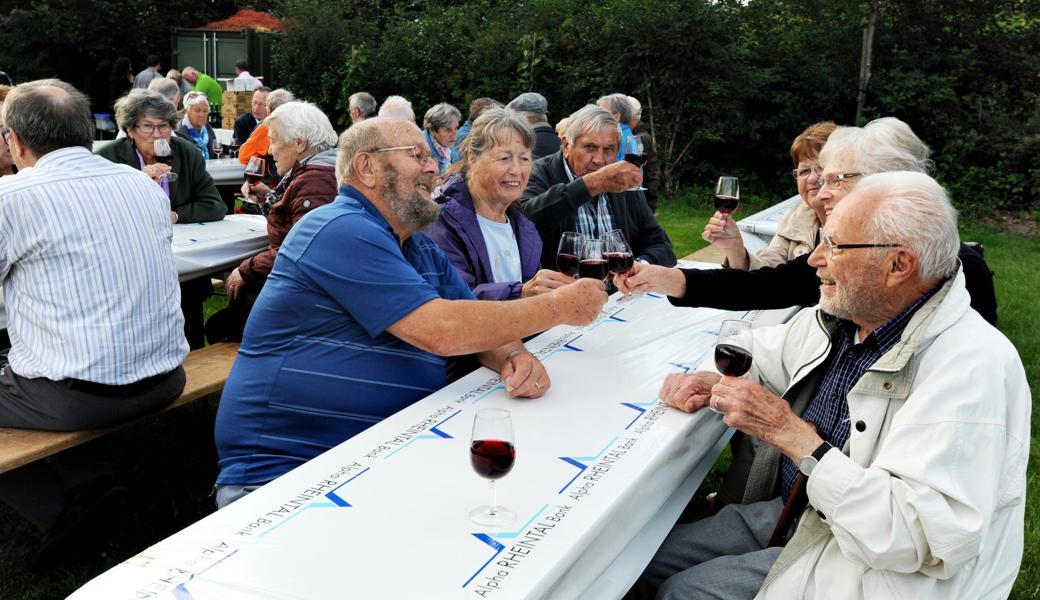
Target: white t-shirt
<point>503,252</point>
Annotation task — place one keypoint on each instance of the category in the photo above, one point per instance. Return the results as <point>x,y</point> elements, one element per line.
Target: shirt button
<point>887,385</point>
<point>861,426</point>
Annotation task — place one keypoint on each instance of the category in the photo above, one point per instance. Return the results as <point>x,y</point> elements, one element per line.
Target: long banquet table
<point>602,470</point>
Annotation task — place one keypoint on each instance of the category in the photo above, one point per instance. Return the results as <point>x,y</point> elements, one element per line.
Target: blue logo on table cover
<point>576,461</point>
<point>335,500</point>
<point>435,434</point>
<point>491,539</point>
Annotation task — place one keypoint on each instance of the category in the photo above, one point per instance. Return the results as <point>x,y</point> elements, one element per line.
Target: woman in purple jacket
<point>485,236</point>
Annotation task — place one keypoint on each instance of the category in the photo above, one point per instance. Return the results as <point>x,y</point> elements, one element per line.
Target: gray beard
<point>413,210</point>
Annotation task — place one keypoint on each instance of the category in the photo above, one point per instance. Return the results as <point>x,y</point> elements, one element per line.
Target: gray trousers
<point>226,494</point>
<point>721,557</point>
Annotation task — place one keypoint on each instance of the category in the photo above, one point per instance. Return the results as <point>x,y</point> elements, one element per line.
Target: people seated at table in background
<point>303,144</point>
<point>916,466</point>
<point>91,292</point>
<point>651,172</point>
<point>581,188</point>
<point>797,232</point>
<point>850,153</point>
<point>146,116</point>
<point>535,109</point>
<point>207,85</point>
<point>244,80</point>
<point>258,143</point>
<point>397,107</point>
<point>247,122</point>
<point>476,108</point>
<point>619,106</point>
<point>7,166</point>
<point>195,127</point>
<point>481,229</point>
<point>377,306</point>
<point>150,73</point>
<point>176,75</point>
<point>362,105</point>
<point>441,127</point>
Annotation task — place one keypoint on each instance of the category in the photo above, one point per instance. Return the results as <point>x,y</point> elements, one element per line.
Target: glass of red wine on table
<point>492,453</point>
<point>164,155</point>
<point>727,197</point>
<point>567,255</point>
<point>733,350</point>
<point>593,263</point>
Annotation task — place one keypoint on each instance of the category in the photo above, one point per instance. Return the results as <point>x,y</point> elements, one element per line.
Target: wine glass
<point>619,254</point>
<point>233,150</point>
<point>164,155</point>
<point>492,453</point>
<point>218,150</point>
<point>635,153</point>
<point>567,254</point>
<point>727,197</point>
<point>255,170</point>
<point>733,350</point>
<point>593,263</point>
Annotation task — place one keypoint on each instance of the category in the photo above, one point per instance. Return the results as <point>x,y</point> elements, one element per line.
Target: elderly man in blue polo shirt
<point>358,312</point>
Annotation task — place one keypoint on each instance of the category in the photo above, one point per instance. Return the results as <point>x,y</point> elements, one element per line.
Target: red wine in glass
<point>492,459</point>
<point>255,170</point>
<point>638,160</point>
<point>732,360</point>
<point>567,264</point>
<point>166,160</point>
<point>593,268</point>
<point>726,204</point>
<point>619,262</point>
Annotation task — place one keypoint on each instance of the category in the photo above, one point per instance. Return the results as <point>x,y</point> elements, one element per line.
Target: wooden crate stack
<point>234,104</point>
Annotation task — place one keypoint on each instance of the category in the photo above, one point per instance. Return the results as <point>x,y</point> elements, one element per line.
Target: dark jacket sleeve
<point>793,283</point>
<point>649,241</point>
<point>242,129</point>
<point>978,279</point>
<point>547,203</point>
<point>313,188</point>
<point>196,199</point>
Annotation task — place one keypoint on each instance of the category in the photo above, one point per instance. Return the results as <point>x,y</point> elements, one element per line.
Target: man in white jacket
<point>916,471</point>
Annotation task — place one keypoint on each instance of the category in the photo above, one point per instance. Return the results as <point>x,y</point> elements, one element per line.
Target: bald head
<point>190,74</point>
<point>377,132</point>
<point>48,115</point>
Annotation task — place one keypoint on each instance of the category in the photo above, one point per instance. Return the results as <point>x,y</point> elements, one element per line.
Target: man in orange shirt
<point>258,141</point>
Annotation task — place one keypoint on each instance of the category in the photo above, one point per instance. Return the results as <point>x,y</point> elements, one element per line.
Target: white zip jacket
<point>927,498</point>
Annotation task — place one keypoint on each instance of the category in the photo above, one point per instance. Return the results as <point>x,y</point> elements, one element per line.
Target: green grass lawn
<point>169,463</point>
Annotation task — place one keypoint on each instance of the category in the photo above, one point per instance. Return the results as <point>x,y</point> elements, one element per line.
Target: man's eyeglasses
<point>829,245</point>
<point>3,133</point>
<point>836,181</point>
<point>149,128</point>
<point>803,172</point>
<point>419,154</point>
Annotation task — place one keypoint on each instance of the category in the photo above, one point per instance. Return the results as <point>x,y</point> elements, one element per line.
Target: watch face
<point>807,465</point>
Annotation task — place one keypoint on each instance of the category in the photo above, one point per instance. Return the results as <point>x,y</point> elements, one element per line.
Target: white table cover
<point>764,223</point>
<point>384,515</point>
<point>204,248</point>
<point>224,171</point>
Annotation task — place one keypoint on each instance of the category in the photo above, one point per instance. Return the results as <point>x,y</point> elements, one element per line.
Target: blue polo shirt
<point>316,365</point>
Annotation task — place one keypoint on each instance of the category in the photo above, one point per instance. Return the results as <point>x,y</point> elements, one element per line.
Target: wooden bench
<point>708,254</point>
<point>206,370</point>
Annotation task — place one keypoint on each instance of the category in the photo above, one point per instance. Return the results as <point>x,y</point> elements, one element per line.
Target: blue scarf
<point>201,138</point>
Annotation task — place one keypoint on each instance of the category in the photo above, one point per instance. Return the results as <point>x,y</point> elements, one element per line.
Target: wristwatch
<point>808,463</point>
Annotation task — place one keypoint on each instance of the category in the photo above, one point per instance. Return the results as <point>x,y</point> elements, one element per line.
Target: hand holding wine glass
<point>635,153</point>
<point>164,155</point>
<point>733,351</point>
<point>255,170</point>
<point>618,252</point>
<point>492,454</point>
<point>727,196</point>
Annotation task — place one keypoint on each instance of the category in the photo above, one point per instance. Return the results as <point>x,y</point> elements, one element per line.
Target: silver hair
<point>279,97</point>
<point>193,98</point>
<point>167,87</point>
<point>493,127</point>
<point>588,119</point>
<point>364,102</point>
<point>637,108</point>
<point>440,116</point>
<point>883,145</point>
<point>362,137</point>
<point>914,210</point>
<point>138,103</point>
<point>303,121</point>
<point>618,103</point>
<point>397,107</point>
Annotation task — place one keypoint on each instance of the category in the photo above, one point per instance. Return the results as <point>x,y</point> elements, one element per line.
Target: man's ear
<point>365,169</point>
<point>902,266</point>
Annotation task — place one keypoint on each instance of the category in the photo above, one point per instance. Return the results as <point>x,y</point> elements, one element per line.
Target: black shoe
<point>85,517</point>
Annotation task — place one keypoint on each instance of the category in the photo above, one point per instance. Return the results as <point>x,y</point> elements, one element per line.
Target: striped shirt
<point>86,265</point>
<point>849,360</point>
<point>594,216</point>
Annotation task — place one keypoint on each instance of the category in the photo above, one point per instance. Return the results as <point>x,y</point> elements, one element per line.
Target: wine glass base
<point>502,517</point>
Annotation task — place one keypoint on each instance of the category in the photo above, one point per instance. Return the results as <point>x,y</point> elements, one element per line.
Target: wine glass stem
<point>492,507</point>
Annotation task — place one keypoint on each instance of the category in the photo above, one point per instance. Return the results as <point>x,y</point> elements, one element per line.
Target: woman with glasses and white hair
<point>303,146</point>
<point>441,126</point>
<point>881,146</point>
<point>797,232</point>
<point>195,126</point>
